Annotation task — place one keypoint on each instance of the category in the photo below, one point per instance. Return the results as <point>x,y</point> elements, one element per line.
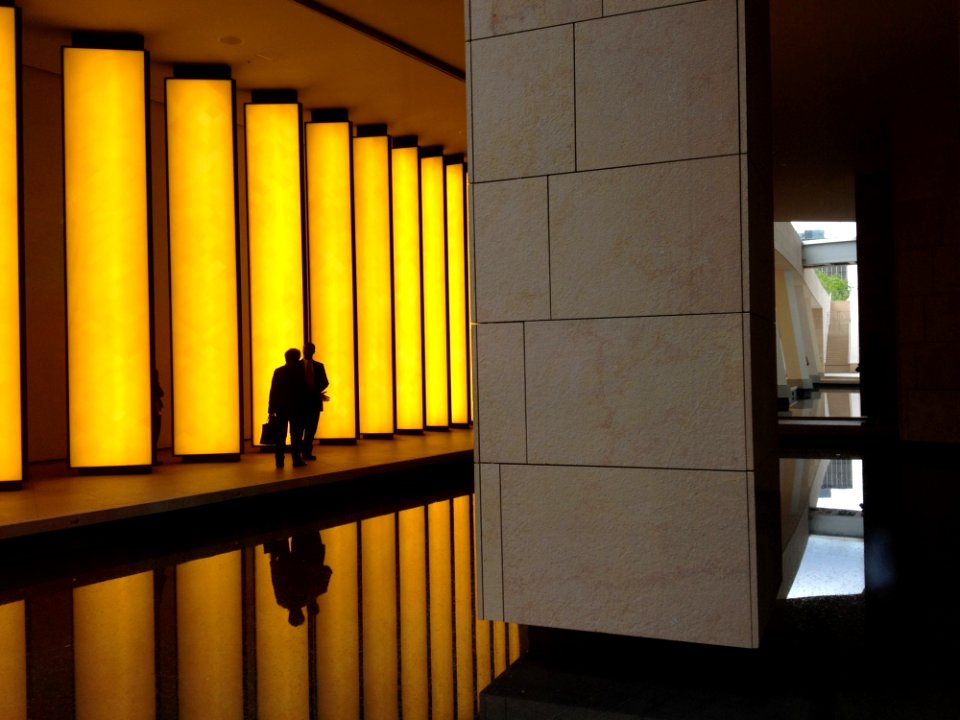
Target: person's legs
<point>280,447</point>
<point>296,440</point>
<point>309,432</point>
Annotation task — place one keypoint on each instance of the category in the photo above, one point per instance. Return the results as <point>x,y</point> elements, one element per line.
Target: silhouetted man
<point>287,402</point>
<point>315,377</point>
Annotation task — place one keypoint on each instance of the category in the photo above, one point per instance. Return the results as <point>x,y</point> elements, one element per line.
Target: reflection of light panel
<point>378,563</point>
<point>210,638</point>
<point>499,647</point>
<point>113,625</point>
<point>513,643</point>
<point>275,238</point>
<point>464,614</point>
<point>13,661</point>
<point>11,447</point>
<point>282,655</point>
<point>371,183</point>
<point>441,606</point>
<point>414,690</point>
<point>457,293</point>
<point>107,237</point>
<point>435,358</point>
<point>203,266</point>
<point>330,228</point>
<point>338,629</point>
<point>406,283</point>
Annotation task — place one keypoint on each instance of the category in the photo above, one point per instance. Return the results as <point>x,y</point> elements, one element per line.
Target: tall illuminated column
<point>12,409</point>
<point>107,214</point>
<point>371,195</point>
<point>435,345</point>
<point>458,315</point>
<point>330,275</point>
<point>202,206</point>
<point>407,287</point>
<point>275,236</point>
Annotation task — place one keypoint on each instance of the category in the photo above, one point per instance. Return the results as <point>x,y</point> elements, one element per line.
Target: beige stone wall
<point>625,387</point>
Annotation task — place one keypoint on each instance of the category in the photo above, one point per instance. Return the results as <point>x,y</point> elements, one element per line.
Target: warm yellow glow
<point>435,357</point>
<point>406,293</point>
<point>441,606</point>
<point>457,293</point>
<point>108,315</point>
<point>513,643</point>
<point>282,662</point>
<point>378,560</point>
<point>338,629</point>
<point>275,240</point>
<point>464,611</point>
<point>203,266</point>
<point>499,647</point>
<point>13,661</point>
<point>330,212</point>
<point>484,659</point>
<point>371,178</point>
<point>414,690</point>
<point>113,632</point>
<point>210,638</point>
<point>11,456</point>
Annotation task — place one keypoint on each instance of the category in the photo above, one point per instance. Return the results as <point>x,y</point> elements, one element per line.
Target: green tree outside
<point>837,286</point>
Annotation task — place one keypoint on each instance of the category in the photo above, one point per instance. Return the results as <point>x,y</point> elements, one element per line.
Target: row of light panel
<point>380,285</point>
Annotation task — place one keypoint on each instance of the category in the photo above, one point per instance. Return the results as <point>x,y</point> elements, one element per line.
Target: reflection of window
<point>839,477</point>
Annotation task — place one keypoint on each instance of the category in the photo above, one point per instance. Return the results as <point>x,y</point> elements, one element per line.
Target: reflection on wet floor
<point>368,619</point>
<point>828,402</point>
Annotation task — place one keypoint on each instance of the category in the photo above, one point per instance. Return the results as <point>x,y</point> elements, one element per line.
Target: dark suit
<point>288,391</point>
<point>313,404</point>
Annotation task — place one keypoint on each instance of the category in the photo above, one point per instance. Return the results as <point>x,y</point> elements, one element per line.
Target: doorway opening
<point>818,317</point>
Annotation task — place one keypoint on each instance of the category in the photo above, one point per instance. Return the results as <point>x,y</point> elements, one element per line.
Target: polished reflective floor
<point>357,616</point>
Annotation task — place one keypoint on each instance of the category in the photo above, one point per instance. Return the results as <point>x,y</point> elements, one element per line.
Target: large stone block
<point>648,240</point>
<point>522,104</point>
<point>497,17</point>
<point>652,553</point>
<point>663,392</point>
<point>501,415</point>
<point>657,86</point>
<point>512,251</point>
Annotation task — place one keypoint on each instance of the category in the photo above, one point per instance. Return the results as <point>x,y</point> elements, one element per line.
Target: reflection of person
<point>315,377</point>
<point>298,574</point>
<point>156,398</point>
<point>287,390</point>
<point>310,552</point>
<point>288,587</point>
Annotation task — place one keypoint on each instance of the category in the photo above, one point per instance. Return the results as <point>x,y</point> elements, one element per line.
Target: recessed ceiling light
<point>231,40</point>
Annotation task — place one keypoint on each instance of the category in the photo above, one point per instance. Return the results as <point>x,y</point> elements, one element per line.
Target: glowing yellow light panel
<point>330,233</point>
<point>408,324</point>
<point>371,182</point>
<point>435,355</point>
<point>274,233</point>
<point>11,439</point>
<point>457,292</point>
<point>107,237</point>
<point>203,266</point>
